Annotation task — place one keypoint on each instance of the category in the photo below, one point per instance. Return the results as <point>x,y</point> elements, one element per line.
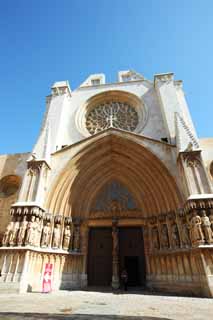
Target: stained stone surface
<point>81,305</point>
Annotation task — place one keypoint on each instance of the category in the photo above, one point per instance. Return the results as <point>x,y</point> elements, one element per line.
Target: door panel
<point>100,257</point>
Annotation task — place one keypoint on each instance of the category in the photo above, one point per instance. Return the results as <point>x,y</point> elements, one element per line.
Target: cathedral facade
<point>117,180</point>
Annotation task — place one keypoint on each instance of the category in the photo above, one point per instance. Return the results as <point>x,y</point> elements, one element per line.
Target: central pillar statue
<point>115,257</point>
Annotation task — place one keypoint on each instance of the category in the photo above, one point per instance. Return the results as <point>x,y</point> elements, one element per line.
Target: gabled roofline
<point>111,131</point>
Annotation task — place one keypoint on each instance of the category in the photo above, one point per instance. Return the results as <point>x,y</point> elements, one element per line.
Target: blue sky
<point>46,41</point>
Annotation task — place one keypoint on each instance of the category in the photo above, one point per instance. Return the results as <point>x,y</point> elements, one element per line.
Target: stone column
<point>115,257</point>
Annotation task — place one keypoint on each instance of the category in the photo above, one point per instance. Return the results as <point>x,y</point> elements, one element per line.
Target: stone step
<point>9,287</point>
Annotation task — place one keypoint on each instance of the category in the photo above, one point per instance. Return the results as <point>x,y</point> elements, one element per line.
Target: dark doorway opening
<point>132,257</point>
<point>132,268</point>
<point>100,257</point>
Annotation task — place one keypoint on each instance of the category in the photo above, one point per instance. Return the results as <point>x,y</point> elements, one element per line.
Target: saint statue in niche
<point>46,233</point>
<point>66,238</point>
<point>196,233</point>
<point>22,231</point>
<point>56,236</point>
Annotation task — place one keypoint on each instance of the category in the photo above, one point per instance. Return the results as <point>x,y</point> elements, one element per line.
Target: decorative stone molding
<point>120,214</point>
<point>26,209</point>
<point>164,77</point>
<point>35,166</point>
<point>198,204</point>
<point>61,88</point>
<point>192,159</point>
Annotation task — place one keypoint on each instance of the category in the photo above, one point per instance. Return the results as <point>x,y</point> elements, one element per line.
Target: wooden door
<point>100,257</point>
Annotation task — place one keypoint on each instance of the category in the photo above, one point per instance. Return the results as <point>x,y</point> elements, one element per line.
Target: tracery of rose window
<point>111,114</point>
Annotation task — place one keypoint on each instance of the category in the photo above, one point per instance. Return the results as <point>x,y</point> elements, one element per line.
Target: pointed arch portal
<point>111,187</point>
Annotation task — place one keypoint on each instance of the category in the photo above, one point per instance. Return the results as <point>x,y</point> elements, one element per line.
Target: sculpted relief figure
<point>164,237</point>
<point>38,230</point>
<point>115,240</point>
<point>155,238</point>
<point>206,227</point>
<point>66,237</point>
<point>22,231</point>
<point>76,244</point>
<point>196,233</point>
<point>14,233</point>
<point>211,219</point>
<point>46,234</point>
<point>175,236</point>
<point>8,233</point>
<point>30,235</point>
<point>56,236</point>
<point>185,234</point>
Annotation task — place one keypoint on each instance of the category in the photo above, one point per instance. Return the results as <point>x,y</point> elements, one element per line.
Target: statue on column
<point>56,236</point>
<point>115,245</point>
<point>30,236</point>
<point>14,233</point>
<point>22,231</point>
<point>46,233</point>
<point>175,236</point>
<point>66,237</point>
<point>115,253</point>
<point>164,237</point>
<point>76,244</point>
<point>8,234</point>
<point>196,233</point>
<point>206,227</point>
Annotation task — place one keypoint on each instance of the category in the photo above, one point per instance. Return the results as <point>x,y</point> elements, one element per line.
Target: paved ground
<point>87,305</point>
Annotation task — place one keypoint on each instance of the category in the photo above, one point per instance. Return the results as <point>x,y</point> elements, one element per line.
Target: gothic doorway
<point>131,256</point>
<point>100,257</point>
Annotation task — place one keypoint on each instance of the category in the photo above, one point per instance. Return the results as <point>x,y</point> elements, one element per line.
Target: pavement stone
<point>90,305</point>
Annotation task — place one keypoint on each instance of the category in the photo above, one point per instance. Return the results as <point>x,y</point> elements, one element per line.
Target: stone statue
<point>56,236</point>
<point>14,233</point>
<point>115,240</point>
<point>185,234</point>
<point>22,231</point>
<point>76,244</point>
<point>30,235</point>
<point>164,237</point>
<point>196,233</point>
<point>66,238</point>
<point>8,234</point>
<point>38,230</point>
<point>46,233</point>
<point>175,236</point>
<point>206,227</point>
<point>155,238</point>
<point>211,219</point>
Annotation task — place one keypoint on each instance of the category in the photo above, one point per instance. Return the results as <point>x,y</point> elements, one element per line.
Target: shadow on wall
<point>42,316</point>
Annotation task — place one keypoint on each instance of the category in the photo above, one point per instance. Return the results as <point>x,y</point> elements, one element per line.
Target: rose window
<point>111,114</point>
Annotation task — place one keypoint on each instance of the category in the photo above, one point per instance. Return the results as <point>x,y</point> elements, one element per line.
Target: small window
<point>95,82</point>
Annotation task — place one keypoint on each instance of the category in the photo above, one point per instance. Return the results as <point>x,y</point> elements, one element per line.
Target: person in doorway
<point>124,279</point>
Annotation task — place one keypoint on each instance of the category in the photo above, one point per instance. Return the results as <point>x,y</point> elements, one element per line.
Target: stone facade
<point>119,155</point>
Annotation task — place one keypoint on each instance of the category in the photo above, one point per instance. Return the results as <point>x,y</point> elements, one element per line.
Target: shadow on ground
<point>42,316</point>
